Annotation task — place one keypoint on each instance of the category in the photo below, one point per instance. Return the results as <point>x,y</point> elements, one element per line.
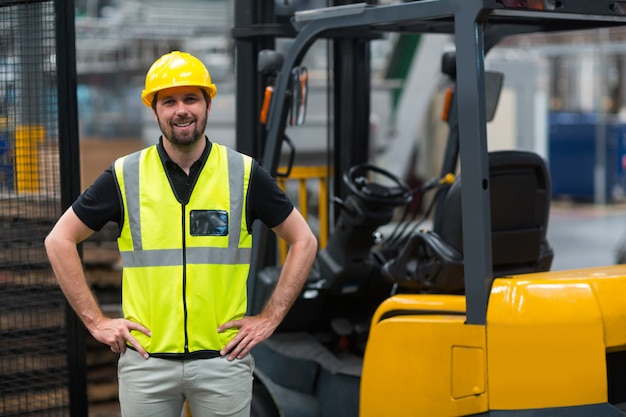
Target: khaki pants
<point>159,387</point>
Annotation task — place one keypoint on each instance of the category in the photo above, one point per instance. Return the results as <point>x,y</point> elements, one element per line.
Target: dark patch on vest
<point>208,223</point>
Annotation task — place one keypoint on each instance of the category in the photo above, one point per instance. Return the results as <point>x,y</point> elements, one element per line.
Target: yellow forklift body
<point>558,326</point>
<point>544,345</point>
<point>423,360</point>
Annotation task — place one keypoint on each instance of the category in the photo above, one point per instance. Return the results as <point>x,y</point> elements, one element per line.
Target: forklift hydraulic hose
<point>447,179</point>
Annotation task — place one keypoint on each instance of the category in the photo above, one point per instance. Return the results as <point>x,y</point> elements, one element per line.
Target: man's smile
<point>183,124</point>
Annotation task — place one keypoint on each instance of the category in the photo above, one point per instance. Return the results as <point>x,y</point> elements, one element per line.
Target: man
<point>185,208</point>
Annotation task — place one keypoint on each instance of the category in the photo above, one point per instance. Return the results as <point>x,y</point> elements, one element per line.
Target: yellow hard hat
<point>176,69</point>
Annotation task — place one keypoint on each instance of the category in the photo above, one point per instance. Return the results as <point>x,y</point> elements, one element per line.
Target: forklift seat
<point>520,193</point>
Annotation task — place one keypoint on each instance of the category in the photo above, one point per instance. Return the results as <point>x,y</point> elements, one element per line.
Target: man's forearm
<point>293,275</point>
<point>68,270</point>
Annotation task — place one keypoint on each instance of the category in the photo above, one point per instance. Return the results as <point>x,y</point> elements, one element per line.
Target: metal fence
<point>35,369</point>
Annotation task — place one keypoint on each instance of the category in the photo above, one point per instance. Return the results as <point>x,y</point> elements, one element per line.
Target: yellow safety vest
<point>185,265</point>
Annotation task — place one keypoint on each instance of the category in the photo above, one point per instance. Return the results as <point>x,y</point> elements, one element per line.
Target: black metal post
<point>250,14</point>
<point>351,105</point>
<point>470,91</point>
<point>69,161</point>
<point>351,130</point>
<point>250,20</point>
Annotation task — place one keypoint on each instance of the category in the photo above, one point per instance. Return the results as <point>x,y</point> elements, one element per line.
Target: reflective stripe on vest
<point>168,257</point>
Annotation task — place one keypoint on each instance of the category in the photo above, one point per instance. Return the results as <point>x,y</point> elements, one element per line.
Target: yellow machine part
<point>544,346</point>
<point>424,360</point>
<point>548,334</point>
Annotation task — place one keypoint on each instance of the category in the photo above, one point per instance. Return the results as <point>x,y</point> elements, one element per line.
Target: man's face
<point>182,115</point>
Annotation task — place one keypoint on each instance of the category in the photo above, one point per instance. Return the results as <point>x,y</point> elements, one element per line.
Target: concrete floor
<point>586,235</point>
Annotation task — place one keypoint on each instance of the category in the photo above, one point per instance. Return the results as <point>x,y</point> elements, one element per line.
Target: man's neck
<point>184,157</point>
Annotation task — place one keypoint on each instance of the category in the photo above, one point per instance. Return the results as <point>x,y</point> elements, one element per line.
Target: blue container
<point>6,163</point>
<point>572,150</point>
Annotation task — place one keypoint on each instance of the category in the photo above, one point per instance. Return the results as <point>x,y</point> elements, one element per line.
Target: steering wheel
<point>357,180</point>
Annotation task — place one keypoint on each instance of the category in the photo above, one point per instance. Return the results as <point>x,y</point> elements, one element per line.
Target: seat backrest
<point>520,192</point>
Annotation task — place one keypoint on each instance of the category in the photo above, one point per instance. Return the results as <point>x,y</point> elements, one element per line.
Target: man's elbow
<point>50,242</point>
<point>54,241</point>
<point>310,245</point>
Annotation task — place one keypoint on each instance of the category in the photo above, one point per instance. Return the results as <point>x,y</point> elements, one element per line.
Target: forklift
<point>464,319</point>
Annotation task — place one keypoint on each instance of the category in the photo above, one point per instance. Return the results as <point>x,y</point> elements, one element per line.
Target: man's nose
<point>181,107</point>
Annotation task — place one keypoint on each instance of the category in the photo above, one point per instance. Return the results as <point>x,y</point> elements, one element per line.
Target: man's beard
<point>186,140</point>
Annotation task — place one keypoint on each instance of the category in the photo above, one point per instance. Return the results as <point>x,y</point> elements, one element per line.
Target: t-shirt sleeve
<point>100,203</point>
<point>266,201</point>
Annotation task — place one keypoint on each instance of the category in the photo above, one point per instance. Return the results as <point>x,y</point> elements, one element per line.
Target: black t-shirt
<point>101,202</point>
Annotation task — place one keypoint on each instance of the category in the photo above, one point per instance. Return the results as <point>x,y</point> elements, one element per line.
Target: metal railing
<point>306,178</point>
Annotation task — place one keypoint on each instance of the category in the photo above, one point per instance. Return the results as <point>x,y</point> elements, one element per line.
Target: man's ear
<point>207,99</point>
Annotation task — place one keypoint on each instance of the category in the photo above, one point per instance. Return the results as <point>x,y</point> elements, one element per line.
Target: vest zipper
<point>185,281</point>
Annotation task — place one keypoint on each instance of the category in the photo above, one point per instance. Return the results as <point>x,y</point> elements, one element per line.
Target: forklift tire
<point>262,402</point>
